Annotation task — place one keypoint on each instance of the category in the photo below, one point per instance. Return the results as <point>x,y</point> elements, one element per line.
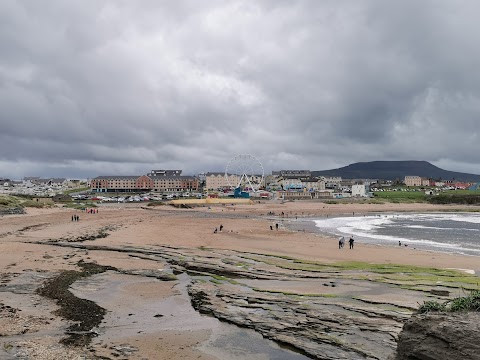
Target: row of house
<point>36,186</point>
<point>429,182</point>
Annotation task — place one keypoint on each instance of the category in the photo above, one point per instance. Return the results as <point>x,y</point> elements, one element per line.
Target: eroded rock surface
<point>440,337</point>
<point>322,328</point>
<point>322,311</point>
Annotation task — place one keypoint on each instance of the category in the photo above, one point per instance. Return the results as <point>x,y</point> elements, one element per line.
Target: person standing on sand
<point>341,242</point>
<point>276,226</point>
<point>221,227</point>
<point>215,231</point>
<point>351,242</point>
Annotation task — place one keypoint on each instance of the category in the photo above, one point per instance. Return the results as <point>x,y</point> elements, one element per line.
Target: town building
<point>219,181</point>
<point>332,182</point>
<point>425,182</point>
<point>158,183</point>
<point>360,190</point>
<point>165,173</point>
<point>413,181</point>
<point>299,174</point>
<point>313,184</point>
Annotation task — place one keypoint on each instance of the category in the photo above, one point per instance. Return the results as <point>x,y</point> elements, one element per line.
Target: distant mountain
<point>391,170</point>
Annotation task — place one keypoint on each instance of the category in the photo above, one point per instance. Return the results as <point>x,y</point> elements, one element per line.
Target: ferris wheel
<point>245,172</point>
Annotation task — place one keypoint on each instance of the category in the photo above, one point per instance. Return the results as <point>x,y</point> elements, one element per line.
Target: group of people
<point>75,217</point>
<point>91,211</point>
<point>216,230</point>
<point>341,242</point>
<point>276,226</point>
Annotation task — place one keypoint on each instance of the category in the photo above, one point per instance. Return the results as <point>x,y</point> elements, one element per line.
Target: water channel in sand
<point>132,314</point>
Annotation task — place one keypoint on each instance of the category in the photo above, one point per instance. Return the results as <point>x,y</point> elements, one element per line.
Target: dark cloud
<point>90,88</point>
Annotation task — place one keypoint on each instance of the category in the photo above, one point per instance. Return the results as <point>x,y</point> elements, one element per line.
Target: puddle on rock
<point>139,306</point>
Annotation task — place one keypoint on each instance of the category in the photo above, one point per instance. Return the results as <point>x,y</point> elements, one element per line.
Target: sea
<point>443,232</point>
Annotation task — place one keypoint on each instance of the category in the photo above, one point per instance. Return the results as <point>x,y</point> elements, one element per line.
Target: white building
<point>360,190</point>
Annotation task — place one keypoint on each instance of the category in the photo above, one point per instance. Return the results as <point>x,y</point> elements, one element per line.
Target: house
<point>295,195</point>
<point>313,184</point>
<point>332,182</point>
<point>292,184</point>
<point>323,194</point>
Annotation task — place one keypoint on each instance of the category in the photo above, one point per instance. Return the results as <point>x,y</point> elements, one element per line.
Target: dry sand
<point>246,229</point>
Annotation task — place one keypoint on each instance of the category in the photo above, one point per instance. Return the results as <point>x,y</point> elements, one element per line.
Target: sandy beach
<point>30,253</point>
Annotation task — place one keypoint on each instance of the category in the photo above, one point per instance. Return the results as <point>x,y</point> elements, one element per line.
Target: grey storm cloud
<point>92,88</point>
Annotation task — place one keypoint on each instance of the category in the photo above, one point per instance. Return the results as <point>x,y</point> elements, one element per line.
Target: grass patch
<point>7,201</point>
<point>401,196</point>
<point>464,199</point>
<point>470,302</point>
<point>10,201</point>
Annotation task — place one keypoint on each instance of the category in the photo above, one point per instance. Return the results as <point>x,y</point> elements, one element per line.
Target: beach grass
<point>8,201</point>
<point>470,302</point>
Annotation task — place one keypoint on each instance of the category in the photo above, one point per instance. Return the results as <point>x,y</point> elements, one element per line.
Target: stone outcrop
<point>440,336</point>
<point>322,328</point>
<point>320,311</point>
<point>12,211</point>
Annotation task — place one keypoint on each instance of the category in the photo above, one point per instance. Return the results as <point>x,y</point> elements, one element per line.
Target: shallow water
<point>445,232</point>
<point>128,316</point>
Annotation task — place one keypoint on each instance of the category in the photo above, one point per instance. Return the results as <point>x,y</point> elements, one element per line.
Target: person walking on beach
<point>351,242</point>
<point>271,227</point>
<point>276,226</point>
<point>215,231</point>
<point>341,242</point>
<point>221,227</point>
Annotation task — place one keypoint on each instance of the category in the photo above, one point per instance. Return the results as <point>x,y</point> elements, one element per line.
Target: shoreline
<point>309,225</point>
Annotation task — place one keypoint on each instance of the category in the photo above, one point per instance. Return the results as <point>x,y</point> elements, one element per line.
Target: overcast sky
<point>91,88</point>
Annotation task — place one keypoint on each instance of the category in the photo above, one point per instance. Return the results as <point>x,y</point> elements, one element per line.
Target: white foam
<point>366,227</point>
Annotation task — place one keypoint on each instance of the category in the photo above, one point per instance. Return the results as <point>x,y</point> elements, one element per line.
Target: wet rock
<point>124,349</point>
<point>322,329</point>
<point>440,337</point>
<point>440,292</point>
<point>158,274</point>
